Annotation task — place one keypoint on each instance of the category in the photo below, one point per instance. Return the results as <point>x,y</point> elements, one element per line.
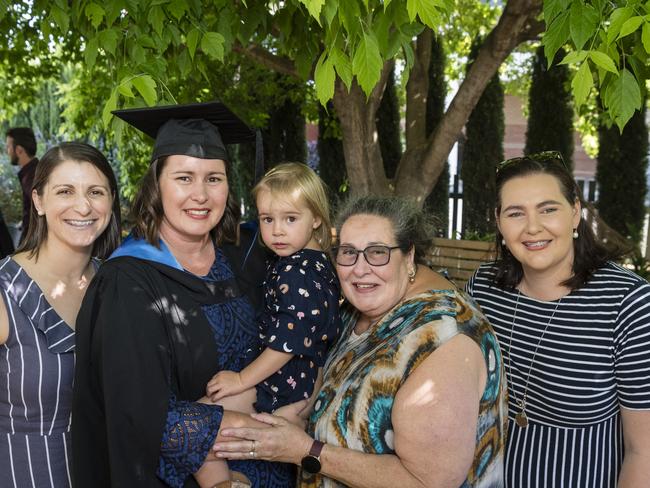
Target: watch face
<point>311,464</point>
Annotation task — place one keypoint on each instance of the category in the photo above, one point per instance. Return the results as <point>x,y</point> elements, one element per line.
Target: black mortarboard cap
<point>200,130</point>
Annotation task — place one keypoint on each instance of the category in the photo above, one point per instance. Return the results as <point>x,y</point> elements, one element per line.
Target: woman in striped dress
<point>75,215</point>
<point>574,329</point>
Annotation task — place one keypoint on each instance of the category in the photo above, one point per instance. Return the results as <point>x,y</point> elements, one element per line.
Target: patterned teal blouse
<point>352,411</point>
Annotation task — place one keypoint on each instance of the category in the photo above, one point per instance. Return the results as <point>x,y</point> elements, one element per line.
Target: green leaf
<point>603,60</point>
<point>212,45</point>
<point>314,7</point>
<point>108,40</point>
<point>584,21</point>
<point>616,21</point>
<point>125,88</point>
<point>156,18</point>
<point>342,65</point>
<point>349,15</point>
<point>177,8</point>
<point>137,53</point>
<point>623,97</point>
<point>556,35</point>
<point>60,18</point>
<point>630,25</point>
<point>90,52</point>
<point>146,41</point>
<point>110,105</point>
<point>146,86</point>
<point>95,13</point>
<point>367,63</point>
<point>329,11</point>
<point>426,10</point>
<point>645,37</point>
<point>192,39</point>
<point>582,83</point>
<point>184,63</point>
<point>324,77</point>
<point>552,8</point>
<point>574,57</point>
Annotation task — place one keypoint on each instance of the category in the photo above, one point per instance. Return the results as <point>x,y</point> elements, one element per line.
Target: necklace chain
<point>521,418</point>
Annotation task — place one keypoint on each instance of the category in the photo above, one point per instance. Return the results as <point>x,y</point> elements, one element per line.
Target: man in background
<point>21,148</point>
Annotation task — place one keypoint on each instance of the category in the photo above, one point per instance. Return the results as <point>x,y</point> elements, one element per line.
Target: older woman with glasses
<point>575,332</point>
<point>413,392</point>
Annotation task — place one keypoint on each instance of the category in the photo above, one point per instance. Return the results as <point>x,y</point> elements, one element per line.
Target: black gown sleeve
<point>123,380</point>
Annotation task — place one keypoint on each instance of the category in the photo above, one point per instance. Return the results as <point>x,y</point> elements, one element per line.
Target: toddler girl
<point>301,317</point>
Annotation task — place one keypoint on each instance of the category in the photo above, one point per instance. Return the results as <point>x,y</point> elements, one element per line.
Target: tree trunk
<point>362,153</point>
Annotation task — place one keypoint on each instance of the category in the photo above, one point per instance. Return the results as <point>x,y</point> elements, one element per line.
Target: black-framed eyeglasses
<point>376,255</point>
<point>543,157</point>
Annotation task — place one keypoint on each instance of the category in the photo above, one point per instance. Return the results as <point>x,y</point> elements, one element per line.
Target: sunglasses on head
<point>544,157</point>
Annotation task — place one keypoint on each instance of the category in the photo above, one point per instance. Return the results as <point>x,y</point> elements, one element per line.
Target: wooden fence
<point>459,258</point>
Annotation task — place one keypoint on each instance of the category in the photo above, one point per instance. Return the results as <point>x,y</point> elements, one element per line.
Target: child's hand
<point>223,384</point>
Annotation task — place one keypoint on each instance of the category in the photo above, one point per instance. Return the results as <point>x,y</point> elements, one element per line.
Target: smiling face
<point>287,225</point>
<point>194,193</point>
<point>537,223</point>
<point>373,290</point>
<point>77,204</point>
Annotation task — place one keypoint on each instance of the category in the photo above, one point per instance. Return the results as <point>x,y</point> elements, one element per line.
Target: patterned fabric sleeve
<point>299,318</point>
<point>189,433</point>
<point>632,349</point>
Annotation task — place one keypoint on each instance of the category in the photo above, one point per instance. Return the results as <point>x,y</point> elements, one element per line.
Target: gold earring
<point>412,275</point>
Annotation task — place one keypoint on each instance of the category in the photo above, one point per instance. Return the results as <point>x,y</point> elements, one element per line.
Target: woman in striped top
<point>574,329</point>
<point>74,215</point>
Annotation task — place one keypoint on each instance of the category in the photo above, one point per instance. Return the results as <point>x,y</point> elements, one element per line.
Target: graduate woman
<point>173,306</point>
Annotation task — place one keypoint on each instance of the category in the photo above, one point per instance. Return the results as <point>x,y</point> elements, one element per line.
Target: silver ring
<point>253,446</point>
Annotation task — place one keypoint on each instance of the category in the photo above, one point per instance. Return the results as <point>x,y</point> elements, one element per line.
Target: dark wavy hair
<point>589,254</point>
<point>83,153</point>
<point>147,209</point>
<point>411,228</point>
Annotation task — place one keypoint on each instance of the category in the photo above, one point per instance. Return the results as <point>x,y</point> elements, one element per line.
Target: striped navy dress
<point>593,359</point>
<point>36,372</point>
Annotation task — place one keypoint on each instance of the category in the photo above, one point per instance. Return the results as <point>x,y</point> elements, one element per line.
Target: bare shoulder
<point>427,279</point>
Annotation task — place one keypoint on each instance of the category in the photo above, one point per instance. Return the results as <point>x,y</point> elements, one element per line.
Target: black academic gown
<point>141,335</point>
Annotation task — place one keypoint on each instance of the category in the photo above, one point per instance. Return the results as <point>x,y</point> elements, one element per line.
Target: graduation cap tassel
<point>259,156</point>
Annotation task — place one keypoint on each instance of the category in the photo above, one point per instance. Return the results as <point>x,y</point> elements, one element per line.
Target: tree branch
<point>378,92</point>
<point>265,58</point>
<point>417,91</point>
<point>421,166</point>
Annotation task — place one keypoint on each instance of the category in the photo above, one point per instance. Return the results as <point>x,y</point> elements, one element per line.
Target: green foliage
<point>621,176</point>
<point>609,43</point>
<point>550,112</point>
<point>482,151</point>
<point>437,203</point>
<point>388,127</point>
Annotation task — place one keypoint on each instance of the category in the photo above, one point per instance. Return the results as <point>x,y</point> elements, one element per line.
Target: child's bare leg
<point>215,471</point>
<point>212,473</point>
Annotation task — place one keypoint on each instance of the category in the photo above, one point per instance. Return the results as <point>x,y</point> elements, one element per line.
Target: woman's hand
<point>296,413</point>
<point>281,441</point>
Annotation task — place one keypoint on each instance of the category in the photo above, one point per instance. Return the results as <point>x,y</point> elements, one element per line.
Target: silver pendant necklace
<point>521,419</point>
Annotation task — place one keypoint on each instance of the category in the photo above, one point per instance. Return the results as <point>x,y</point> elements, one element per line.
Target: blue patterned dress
<point>235,333</point>
<point>363,373</point>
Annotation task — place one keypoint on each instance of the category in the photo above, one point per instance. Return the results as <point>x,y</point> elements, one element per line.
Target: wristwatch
<point>311,462</point>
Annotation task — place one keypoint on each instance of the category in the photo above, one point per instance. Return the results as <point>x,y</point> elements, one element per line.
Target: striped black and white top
<point>36,373</point>
<point>592,358</point>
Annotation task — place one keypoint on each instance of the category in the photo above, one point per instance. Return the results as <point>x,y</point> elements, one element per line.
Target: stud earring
<point>40,213</point>
<point>503,242</point>
<point>575,233</point>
